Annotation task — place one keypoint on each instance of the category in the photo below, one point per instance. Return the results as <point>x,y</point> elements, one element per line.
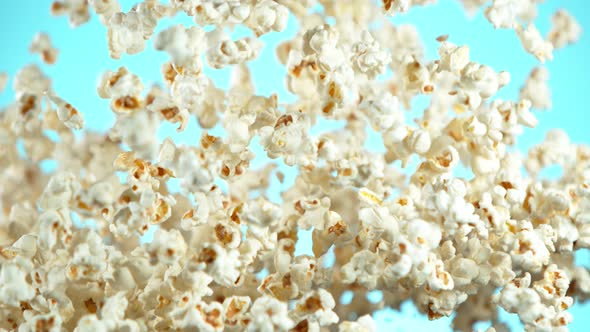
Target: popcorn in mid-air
<point>225,255</point>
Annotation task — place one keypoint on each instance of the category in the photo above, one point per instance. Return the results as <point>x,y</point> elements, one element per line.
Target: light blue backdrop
<point>84,56</point>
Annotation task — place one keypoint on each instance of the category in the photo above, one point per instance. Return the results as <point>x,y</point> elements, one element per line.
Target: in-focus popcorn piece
<point>269,314</point>
<point>228,52</point>
<point>66,113</point>
<point>125,33</point>
<point>266,16</point>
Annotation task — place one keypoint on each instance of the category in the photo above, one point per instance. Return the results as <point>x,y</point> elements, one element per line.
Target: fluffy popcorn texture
<point>223,254</point>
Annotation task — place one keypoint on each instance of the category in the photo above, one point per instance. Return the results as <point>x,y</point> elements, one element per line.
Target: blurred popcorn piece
<point>41,45</point>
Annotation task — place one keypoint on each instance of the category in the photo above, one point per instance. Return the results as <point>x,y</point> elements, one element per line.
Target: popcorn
<point>317,307</point>
<point>42,45</point>
<point>125,34</point>
<point>269,314</point>
<point>136,232</point>
<point>105,9</point>
<point>266,16</point>
<point>363,324</point>
<point>184,46</point>
<point>77,10</point>
<point>364,267</point>
<point>67,113</point>
<point>3,81</point>
<point>390,7</point>
<point>228,52</point>
<point>368,58</point>
<point>503,13</point>
<point>565,30</point>
<point>30,80</point>
<point>533,43</point>
<point>536,89</point>
<point>14,287</point>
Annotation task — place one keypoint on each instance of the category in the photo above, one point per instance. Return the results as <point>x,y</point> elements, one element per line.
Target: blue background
<point>84,56</point>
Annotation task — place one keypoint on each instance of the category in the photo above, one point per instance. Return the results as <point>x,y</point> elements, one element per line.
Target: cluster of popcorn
<point>223,254</point>
<point>519,16</point>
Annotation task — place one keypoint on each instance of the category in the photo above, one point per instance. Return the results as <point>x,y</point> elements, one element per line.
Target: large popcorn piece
<point>130,231</point>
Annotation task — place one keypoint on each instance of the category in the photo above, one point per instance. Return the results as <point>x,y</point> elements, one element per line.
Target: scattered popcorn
<point>222,255</point>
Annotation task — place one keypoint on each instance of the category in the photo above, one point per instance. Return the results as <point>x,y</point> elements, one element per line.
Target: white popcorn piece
<point>504,13</point>
<point>365,268</point>
<point>229,52</point>
<point>565,29</point>
<point>14,288</point>
<point>66,113</point>
<point>533,42</point>
<point>125,34</point>
<point>41,45</point>
<point>269,314</point>
<point>368,57</point>
<point>536,89</point>
<point>317,307</point>
<point>265,16</point>
<point>362,324</point>
<point>76,10</point>
<point>30,80</point>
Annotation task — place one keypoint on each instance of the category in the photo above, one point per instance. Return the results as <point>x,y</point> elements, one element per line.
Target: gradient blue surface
<point>84,56</point>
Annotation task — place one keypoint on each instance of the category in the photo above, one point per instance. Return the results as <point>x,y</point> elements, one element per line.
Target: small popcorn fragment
<point>41,45</point>
<point>565,29</point>
<point>66,113</point>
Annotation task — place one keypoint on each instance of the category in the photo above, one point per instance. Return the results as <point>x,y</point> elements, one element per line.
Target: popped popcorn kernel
<point>41,44</point>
